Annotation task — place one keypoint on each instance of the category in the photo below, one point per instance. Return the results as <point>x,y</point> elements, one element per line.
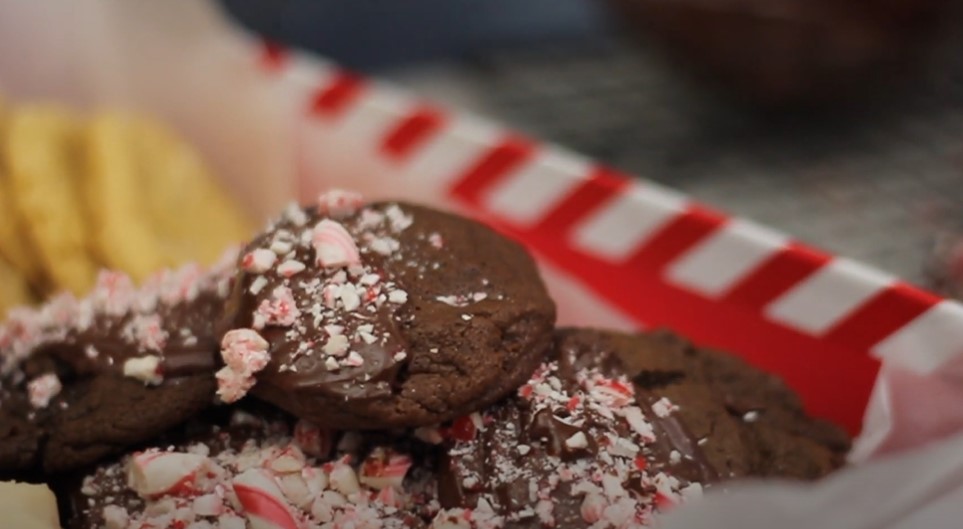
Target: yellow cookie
<point>14,290</point>
<point>14,245</point>
<point>40,150</point>
<point>151,201</point>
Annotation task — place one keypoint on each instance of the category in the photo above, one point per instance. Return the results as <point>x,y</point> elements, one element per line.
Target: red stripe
<point>332,99</point>
<point>273,56</point>
<point>494,165</point>
<point>775,276</point>
<point>258,503</point>
<point>601,186</point>
<point>673,239</point>
<point>412,131</point>
<point>883,314</point>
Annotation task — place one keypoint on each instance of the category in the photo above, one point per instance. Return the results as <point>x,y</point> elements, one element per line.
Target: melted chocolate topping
<point>169,318</point>
<point>337,311</point>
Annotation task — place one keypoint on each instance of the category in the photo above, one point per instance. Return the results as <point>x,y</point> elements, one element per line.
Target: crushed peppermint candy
<point>664,407</point>
<point>333,245</point>
<point>259,477</point>
<point>462,300</point>
<point>259,260</point>
<point>338,203</point>
<point>568,437</point>
<point>118,321</point>
<point>42,389</point>
<point>147,369</point>
<point>245,353</point>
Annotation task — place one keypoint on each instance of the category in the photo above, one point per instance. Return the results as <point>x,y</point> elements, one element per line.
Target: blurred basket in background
<point>794,52</point>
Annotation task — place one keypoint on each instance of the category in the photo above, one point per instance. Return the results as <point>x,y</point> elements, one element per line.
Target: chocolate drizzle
<point>545,427</point>
<point>671,434</point>
<point>189,348</point>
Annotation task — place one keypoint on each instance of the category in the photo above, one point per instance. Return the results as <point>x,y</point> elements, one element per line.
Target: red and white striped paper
<point>649,253</point>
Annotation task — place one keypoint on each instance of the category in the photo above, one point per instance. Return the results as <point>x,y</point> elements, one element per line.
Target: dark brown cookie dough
<point>618,427</point>
<point>84,379</point>
<point>230,470</point>
<point>381,316</point>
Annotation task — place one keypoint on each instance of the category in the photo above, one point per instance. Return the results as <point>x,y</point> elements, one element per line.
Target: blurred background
<point>840,123</point>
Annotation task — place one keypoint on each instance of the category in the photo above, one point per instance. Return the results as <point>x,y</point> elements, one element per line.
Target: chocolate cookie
<point>384,315</point>
<point>250,471</point>
<point>753,425</point>
<point>83,379</point>
<point>619,427</point>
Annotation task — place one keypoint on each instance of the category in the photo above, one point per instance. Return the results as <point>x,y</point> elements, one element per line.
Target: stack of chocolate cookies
<point>371,366</point>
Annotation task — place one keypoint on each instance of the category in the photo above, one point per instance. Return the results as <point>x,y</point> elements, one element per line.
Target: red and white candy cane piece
<point>208,505</point>
<point>452,519</point>
<point>113,292</point>
<point>291,268</point>
<point>462,429</point>
<point>148,369</point>
<point>262,501</point>
<point>633,415</point>
<point>338,203</point>
<point>663,407</point>
<point>183,284</point>
<point>148,332</point>
<point>42,389</point>
<point>232,386</point>
<point>156,473</point>
<point>592,507</point>
<point>258,261</point>
<point>281,310</point>
<point>613,392</point>
<point>389,497</point>
<point>289,459</point>
<point>343,478</point>
<point>244,351</point>
<point>384,468</point>
<point>333,245</point>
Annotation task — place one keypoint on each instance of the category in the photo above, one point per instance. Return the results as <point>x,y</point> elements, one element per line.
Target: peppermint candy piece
<point>231,385</point>
<point>333,245</point>
<point>593,507</point>
<point>338,203</point>
<point>244,352</point>
<point>147,369</point>
<point>343,478</point>
<point>42,389</point>
<point>113,293</point>
<point>281,310</point>
<point>258,261</point>
<point>262,501</point>
<point>156,473</point>
<point>383,469</point>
